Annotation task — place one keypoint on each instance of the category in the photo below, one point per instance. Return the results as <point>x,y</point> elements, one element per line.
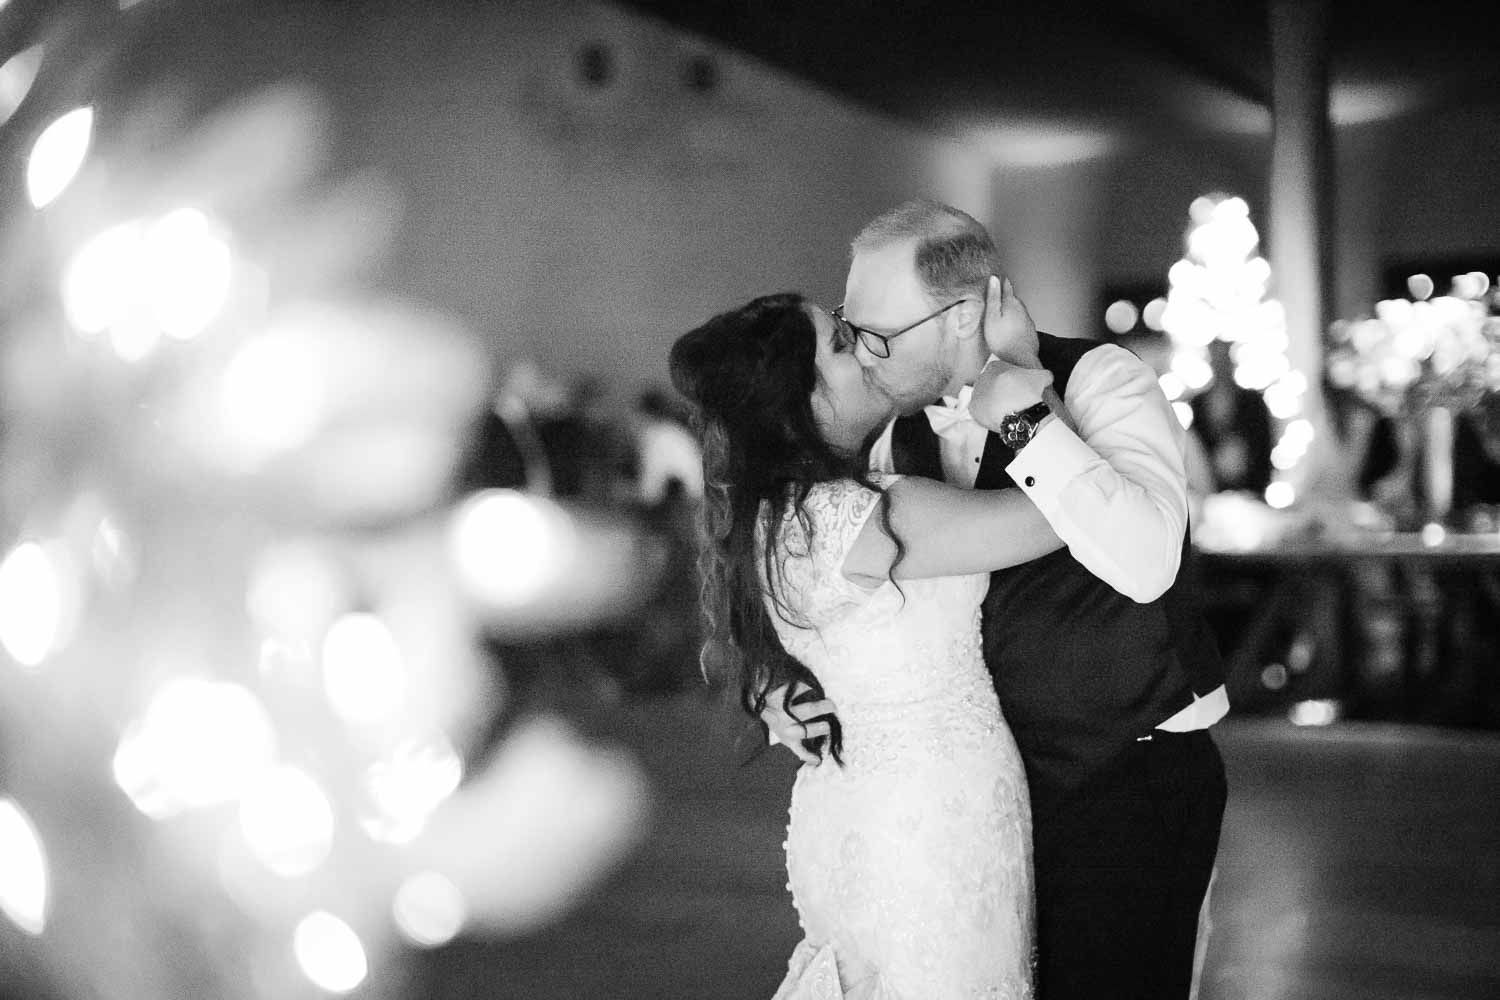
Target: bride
<point>909,855</point>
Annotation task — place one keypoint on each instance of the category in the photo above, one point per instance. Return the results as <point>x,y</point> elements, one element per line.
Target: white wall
<point>588,227</point>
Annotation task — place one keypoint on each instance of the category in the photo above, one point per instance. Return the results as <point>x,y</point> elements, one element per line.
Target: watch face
<point>1017,429</point>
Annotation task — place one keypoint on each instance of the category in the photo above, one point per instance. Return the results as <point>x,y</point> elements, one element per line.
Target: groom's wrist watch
<point>1017,429</point>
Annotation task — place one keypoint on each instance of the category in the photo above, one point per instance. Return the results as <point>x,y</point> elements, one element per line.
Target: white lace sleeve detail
<point>812,574</point>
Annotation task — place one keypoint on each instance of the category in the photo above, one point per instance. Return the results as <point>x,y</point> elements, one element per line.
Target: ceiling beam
<point>1159,37</point>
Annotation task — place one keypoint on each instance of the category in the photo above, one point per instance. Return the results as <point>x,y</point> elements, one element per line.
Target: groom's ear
<point>968,318</point>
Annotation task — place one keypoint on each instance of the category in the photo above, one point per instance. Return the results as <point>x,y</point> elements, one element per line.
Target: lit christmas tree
<point>1218,293</point>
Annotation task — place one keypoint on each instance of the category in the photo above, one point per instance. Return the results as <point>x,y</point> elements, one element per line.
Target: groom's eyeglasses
<point>878,344</point>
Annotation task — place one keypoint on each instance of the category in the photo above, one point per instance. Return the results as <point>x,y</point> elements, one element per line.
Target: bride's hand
<point>789,729</point>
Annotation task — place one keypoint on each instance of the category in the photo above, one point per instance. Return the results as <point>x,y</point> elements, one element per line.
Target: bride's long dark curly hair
<point>750,374</point>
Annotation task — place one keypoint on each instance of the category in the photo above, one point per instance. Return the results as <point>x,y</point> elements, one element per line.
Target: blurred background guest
<point>668,461</point>
<point>1234,426</point>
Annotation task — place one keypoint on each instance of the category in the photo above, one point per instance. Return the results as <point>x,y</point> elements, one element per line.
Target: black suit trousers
<point>1122,866</point>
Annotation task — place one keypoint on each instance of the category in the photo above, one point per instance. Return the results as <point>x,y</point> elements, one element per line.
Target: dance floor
<point>1357,861</point>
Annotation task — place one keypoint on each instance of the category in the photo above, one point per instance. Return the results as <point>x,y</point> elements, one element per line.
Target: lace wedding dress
<point>910,866</point>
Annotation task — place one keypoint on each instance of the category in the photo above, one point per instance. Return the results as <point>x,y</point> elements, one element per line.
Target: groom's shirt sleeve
<point>1116,491</point>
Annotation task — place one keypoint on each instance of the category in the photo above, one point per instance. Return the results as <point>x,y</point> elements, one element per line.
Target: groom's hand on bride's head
<point>1009,332</point>
<point>806,721</point>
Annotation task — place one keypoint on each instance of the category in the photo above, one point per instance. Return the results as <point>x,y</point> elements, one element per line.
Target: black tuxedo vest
<point>1082,671</point>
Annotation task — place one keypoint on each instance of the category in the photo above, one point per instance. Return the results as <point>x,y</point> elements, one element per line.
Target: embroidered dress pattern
<point>910,866</point>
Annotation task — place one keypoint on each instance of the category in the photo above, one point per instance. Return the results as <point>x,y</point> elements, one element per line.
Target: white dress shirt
<point>667,452</point>
<point>1115,492</point>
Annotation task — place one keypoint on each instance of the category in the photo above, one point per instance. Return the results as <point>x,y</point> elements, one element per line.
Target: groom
<point>1106,672</point>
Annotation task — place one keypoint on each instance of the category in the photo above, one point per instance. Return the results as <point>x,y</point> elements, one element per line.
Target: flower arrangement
<point>1420,353</point>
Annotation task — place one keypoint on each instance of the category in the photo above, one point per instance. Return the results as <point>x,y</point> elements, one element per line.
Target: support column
<point>1300,176</point>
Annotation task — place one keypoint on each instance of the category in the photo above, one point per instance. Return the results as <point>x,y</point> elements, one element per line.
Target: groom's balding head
<point>953,253</point>
<point>919,259</point>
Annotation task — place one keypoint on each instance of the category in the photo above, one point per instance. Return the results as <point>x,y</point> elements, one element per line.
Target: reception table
<point>1377,623</point>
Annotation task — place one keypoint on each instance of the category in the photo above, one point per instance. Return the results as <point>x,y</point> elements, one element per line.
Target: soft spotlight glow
<point>509,548</point>
<point>1258,369</point>
<point>1351,103</point>
<point>140,281</point>
<point>198,743</point>
<point>1231,209</point>
<point>1193,368</point>
<point>1201,211</point>
<point>584,808</point>
<point>1274,677</point>
<point>1280,495</point>
<point>296,591</point>
<point>1121,316</point>
<point>1043,144</point>
<point>1284,396</point>
<point>406,786</point>
<point>364,673</point>
<point>31,604</point>
<point>287,821</point>
<point>1283,405</point>
<point>1320,712</point>
<point>1172,385</point>
<point>100,279</point>
<point>1433,535</point>
<point>1152,314</point>
<point>17,75</point>
<point>272,398</point>
<point>134,337</point>
<point>1398,372</point>
<point>23,870</point>
<point>1293,444</point>
<point>57,155</point>
<point>429,910</point>
<point>188,273</point>
<point>1184,414</point>
<point>1223,242</point>
<point>329,952</point>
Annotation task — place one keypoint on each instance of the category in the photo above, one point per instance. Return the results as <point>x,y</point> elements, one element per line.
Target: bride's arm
<point>949,531</point>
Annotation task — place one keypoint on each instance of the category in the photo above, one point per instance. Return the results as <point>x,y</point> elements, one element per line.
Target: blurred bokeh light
<point>57,155</point>
<point>23,870</point>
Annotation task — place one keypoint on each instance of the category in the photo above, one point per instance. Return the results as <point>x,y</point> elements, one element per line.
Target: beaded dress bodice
<point>910,865</point>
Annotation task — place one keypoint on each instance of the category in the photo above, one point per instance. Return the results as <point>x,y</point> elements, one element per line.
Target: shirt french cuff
<point>1054,457</point>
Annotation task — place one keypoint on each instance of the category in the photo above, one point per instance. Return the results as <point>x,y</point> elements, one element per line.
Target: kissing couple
<point>946,562</point>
